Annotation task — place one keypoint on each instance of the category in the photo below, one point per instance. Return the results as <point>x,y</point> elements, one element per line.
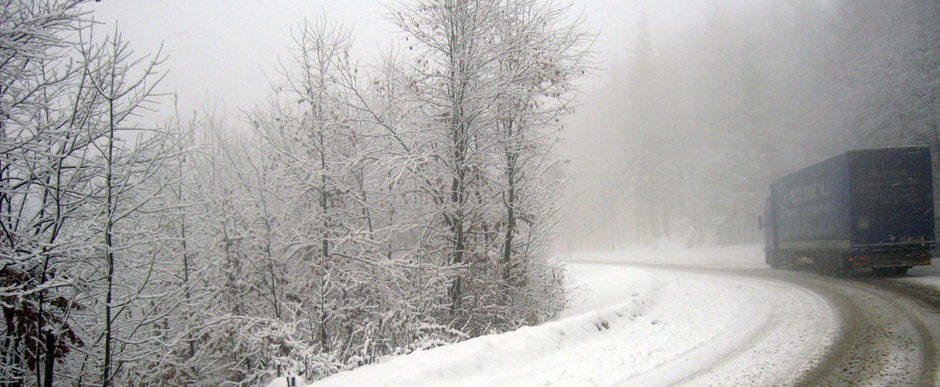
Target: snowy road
<point>719,328</point>
<point>889,332</point>
<point>654,318</point>
<point>888,329</point>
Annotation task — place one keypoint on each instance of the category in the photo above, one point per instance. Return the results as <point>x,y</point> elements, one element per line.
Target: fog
<point>691,108</point>
<point>680,139</point>
<point>243,193</point>
<point>223,55</point>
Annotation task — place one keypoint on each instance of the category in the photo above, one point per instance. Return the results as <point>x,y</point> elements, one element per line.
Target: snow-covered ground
<point>637,325</point>
<point>728,257</point>
<point>932,281</point>
<point>925,275</point>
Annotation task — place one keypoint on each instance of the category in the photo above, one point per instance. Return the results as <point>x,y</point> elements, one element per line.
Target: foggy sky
<point>219,52</point>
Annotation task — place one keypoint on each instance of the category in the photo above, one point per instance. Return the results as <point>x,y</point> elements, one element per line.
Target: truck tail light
<point>860,259</point>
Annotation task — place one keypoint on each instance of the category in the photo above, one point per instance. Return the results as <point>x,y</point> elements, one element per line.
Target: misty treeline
<point>369,211</point>
<point>689,130</point>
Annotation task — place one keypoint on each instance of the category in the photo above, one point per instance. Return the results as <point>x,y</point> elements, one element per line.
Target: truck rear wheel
<point>842,269</point>
<point>774,261</point>
<point>836,267</point>
<point>793,261</point>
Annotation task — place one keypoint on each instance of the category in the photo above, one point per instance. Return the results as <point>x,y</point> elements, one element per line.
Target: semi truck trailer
<point>866,209</point>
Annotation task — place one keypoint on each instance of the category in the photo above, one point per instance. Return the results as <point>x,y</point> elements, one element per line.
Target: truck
<point>868,209</point>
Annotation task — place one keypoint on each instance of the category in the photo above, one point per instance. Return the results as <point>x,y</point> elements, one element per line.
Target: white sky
<point>219,51</point>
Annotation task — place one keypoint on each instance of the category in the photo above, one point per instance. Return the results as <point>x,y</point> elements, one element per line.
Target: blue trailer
<point>863,209</point>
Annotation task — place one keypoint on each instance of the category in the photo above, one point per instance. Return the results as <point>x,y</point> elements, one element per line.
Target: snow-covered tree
<point>371,210</point>
<point>455,84</point>
<point>541,58</point>
<point>44,131</point>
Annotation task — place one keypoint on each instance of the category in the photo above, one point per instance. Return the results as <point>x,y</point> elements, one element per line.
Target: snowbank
<point>604,301</point>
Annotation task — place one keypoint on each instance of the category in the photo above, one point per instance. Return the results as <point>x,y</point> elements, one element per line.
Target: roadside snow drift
<point>634,326</point>
<point>497,359</point>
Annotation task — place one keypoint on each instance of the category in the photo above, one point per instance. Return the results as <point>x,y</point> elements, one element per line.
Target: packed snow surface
<point>932,281</point>
<point>639,325</point>
<point>925,275</point>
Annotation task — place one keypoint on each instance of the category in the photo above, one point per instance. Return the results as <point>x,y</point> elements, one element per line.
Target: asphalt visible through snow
<point>889,330</point>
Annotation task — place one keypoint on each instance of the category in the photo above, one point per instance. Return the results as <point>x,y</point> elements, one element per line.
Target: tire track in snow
<point>889,331</point>
<point>738,358</point>
<point>660,375</point>
<point>884,336</point>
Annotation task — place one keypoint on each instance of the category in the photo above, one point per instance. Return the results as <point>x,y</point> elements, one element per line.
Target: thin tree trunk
<point>49,360</point>
<point>185,250</point>
<point>325,248</point>
<point>108,242</point>
<point>459,133</point>
<point>324,199</point>
<point>324,338</point>
<point>510,231</point>
<point>11,355</point>
<point>511,157</point>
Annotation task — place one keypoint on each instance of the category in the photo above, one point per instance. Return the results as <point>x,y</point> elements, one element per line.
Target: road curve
<point>889,330</point>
